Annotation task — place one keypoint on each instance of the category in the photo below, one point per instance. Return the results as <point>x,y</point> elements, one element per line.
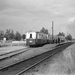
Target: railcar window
<point>30,35</point>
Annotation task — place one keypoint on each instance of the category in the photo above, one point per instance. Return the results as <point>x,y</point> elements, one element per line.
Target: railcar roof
<point>35,32</point>
<point>31,31</point>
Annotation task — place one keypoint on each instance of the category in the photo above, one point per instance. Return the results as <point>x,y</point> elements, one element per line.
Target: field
<point>12,43</point>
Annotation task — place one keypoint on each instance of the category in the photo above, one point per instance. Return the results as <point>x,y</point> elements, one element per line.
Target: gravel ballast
<point>62,63</point>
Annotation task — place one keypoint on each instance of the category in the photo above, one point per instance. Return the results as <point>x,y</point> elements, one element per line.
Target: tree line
<point>9,34</point>
<point>68,37</point>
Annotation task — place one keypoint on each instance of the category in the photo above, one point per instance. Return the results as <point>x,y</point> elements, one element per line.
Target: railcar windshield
<point>30,35</point>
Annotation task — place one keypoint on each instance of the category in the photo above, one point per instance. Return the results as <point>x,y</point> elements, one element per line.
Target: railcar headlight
<point>30,41</point>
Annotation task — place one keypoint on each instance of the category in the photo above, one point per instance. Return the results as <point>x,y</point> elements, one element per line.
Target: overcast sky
<point>25,15</point>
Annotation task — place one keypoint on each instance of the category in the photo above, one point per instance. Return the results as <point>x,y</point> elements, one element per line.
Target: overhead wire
<point>23,7</point>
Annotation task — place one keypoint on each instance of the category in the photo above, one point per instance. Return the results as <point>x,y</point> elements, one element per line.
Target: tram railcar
<point>35,38</point>
<point>55,39</point>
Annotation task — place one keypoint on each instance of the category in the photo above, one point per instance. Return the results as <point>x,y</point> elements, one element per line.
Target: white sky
<point>24,15</point>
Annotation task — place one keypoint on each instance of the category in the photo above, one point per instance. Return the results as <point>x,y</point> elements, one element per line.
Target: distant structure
<point>4,39</point>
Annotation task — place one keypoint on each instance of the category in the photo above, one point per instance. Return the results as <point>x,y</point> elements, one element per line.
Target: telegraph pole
<point>52,30</point>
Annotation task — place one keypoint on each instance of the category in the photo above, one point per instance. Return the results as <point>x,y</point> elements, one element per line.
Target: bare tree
<point>69,37</point>
<point>17,36</point>
<point>61,34</point>
<point>9,34</point>
<point>43,30</point>
<point>1,35</point>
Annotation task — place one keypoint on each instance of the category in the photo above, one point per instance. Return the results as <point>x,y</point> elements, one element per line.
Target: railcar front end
<point>31,38</point>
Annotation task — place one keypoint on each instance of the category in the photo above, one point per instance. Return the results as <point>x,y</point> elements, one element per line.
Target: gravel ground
<point>26,55</point>
<point>62,63</point>
<point>8,49</point>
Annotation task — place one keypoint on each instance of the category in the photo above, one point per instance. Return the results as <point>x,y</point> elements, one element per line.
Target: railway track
<point>7,58</point>
<point>20,68</point>
<point>12,53</point>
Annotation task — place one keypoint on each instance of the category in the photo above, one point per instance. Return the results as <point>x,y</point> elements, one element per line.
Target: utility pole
<point>67,35</point>
<point>52,30</point>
